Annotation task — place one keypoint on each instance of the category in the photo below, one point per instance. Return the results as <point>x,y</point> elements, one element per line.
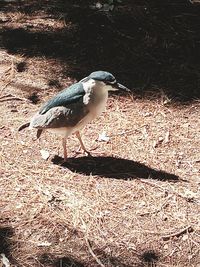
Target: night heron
<point>71,109</point>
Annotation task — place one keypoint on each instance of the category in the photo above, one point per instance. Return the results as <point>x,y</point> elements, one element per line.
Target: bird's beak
<point>119,86</point>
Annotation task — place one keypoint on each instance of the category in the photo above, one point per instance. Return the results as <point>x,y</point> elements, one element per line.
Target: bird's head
<point>108,79</point>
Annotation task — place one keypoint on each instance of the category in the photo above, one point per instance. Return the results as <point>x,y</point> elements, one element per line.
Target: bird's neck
<point>96,96</point>
<point>95,92</point>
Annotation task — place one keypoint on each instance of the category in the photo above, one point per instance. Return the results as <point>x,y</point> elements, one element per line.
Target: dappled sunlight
<point>135,201</point>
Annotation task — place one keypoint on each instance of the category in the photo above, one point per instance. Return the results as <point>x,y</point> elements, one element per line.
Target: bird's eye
<point>111,82</point>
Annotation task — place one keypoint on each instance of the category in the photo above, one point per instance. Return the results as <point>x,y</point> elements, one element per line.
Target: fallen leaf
<point>44,244</point>
<point>45,154</point>
<point>103,137</point>
<point>147,114</point>
<point>144,132</point>
<point>189,194</point>
<point>4,261</point>
<point>166,246</point>
<point>158,142</point>
<point>185,237</point>
<point>167,137</point>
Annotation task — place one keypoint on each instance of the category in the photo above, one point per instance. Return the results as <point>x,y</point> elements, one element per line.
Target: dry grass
<point>135,203</point>
<point>91,212</point>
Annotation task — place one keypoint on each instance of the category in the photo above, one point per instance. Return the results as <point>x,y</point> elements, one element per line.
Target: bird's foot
<point>64,161</point>
<point>87,153</point>
<point>79,151</point>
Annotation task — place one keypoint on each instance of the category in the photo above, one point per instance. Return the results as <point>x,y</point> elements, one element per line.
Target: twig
<point>92,253</point>
<point>122,133</point>
<point>189,199</point>
<point>6,71</point>
<point>5,86</point>
<point>151,184</point>
<point>10,97</point>
<point>11,69</point>
<point>157,210</point>
<point>178,233</point>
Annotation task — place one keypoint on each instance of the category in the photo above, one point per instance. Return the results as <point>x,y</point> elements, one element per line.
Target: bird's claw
<point>88,154</point>
<point>78,151</point>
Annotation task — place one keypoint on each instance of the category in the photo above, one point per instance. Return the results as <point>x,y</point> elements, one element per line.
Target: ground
<point>134,203</point>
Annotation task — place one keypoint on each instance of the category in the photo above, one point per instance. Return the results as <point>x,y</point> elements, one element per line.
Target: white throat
<point>96,96</point>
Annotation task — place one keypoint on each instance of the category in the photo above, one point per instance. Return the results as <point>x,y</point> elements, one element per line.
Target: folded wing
<point>71,95</point>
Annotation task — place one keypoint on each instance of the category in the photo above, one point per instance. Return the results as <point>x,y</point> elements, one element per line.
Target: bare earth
<point>134,203</point>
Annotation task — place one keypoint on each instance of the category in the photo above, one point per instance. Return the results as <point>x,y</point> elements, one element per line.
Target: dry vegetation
<point>134,203</point>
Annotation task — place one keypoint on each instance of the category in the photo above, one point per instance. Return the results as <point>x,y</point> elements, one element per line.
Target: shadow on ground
<point>145,44</point>
<point>111,167</point>
<point>5,234</point>
<point>7,244</point>
<point>50,260</point>
<point>142,259</point>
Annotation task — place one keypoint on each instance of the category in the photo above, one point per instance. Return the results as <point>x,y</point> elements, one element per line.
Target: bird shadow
<point>113,167</point>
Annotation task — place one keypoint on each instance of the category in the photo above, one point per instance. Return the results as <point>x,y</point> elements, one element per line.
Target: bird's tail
<point>39,132</point>
<point>23,126</point>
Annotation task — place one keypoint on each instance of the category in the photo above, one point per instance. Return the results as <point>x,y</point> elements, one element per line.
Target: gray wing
<point>68,96</point>
<point>58,117</point>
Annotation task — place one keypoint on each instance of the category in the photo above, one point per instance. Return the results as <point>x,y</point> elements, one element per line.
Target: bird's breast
<point>97,102</point>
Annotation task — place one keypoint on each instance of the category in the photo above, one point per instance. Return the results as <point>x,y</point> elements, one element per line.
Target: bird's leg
<point>81,143</point>
<point>64,148</point>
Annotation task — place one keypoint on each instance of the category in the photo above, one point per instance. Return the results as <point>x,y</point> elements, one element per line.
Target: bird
<point>71,109</point>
